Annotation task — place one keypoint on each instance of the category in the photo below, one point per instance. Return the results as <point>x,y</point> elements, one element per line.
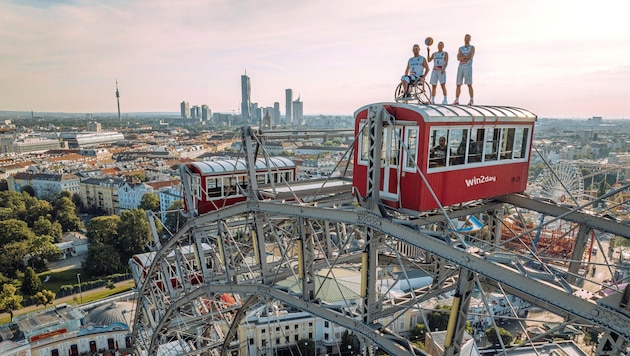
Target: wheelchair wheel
<point>423,92</point>
<point>399,94</point>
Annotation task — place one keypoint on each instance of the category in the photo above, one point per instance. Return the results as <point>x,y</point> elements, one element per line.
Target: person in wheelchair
<point>417,66</point>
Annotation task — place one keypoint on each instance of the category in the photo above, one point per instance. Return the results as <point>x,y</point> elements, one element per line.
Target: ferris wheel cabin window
<point>214,187</point>
<point>520,142</point>
<point>364,141</point>
<point>476,146</point>
<point>507,142</point>
<point>458,146</point>
<point>492,145</point>
<point>195,185</point>
<point>410,154</point>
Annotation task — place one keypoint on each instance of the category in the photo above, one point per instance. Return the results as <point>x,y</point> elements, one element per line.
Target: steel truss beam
<point>392,344</point>
<point>607,316</point>
<point>571,215</point>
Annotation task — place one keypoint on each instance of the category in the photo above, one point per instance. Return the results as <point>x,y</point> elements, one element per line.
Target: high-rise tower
<point>298,112</point>
<point>245,97</point>
<point>288,103</point>
<point>118,99</point>
<point>184,108</point>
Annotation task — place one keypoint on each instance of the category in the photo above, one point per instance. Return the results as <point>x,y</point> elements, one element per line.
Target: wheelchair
<point>420,92</point>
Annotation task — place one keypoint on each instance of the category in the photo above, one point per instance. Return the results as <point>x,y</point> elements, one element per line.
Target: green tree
<point>64,194</point>
<point>31,284</point>
<point>103,229</point>
<point>174,219</point>
<point>15,243</point>
<point>43,226</point>
<point>37,209</point>
<point>438,319</point>
<point>347,343</point>
<point>151,202</point>
<point>76,199</point>
<point>306,347</point>
<point>141,176</point>
<point>506,336</point>
<point>591,337</point>
<point>4,186</point>
<point>102,260</point>
<point>14,202</point>
<point>9,301</point>
<point>417,333</point>
<point>29,190</point>
<point>7,213</point>
<point>134,233</point>
<point>44,297</point>
<point>65,212</point>
<point>43,249</point>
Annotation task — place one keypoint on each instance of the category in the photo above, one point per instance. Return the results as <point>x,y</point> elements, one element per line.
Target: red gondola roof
<point>240,166</point>
<point>451,113</point>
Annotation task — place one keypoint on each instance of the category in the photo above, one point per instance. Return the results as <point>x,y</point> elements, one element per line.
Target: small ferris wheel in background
<point>561,182</point>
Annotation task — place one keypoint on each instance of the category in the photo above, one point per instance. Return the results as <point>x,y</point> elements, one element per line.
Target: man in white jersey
<point>440,61</point>
<point>464,71</point>
<point>416,67</point>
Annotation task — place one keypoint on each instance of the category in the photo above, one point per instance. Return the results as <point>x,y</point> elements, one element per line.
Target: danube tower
<point>245,97</point>
<point>118,99</point>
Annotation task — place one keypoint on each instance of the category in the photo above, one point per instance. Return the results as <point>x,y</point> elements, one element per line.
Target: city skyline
<point>557,59</point>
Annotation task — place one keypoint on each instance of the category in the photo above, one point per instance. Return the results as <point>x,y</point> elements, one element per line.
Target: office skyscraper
<point>298,112</point>
<point>184,108</point>
<point>206,113</point>
<point>289,103</point>
<point>276,113</point>
<point>245,97</point>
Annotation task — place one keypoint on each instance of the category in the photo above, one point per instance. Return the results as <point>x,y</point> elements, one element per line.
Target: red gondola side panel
<point>434,155</point>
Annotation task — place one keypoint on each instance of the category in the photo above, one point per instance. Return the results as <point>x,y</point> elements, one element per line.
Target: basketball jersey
<point>415,66</point>
<point>438,60</point>
<point>465,50</point>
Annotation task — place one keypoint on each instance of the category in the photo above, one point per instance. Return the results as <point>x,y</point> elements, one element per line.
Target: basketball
<point>428,41</point>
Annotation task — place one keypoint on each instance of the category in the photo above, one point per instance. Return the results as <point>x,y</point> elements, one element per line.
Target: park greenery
<point>31,227</point>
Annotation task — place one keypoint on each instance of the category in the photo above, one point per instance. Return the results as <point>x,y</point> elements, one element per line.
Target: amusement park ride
<point>256,238</point>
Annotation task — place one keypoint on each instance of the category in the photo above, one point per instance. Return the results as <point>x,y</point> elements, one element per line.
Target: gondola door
<point>390,163</point>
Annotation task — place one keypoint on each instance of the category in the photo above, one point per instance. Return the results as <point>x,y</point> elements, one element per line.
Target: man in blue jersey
<point>416,67</point>
<point>440,61</point>
<point>464,70</point>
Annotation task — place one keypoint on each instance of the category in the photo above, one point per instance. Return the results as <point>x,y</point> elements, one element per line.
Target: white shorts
<point>464,75</point>
<point>437,75</point>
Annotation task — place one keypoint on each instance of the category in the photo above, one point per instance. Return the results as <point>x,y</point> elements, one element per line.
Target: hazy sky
<point>556,58</point>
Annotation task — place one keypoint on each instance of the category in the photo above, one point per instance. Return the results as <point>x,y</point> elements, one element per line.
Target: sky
<point>556,58</point>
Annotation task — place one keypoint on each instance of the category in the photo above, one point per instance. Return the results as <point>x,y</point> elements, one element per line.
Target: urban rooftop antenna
<point>118,99</point>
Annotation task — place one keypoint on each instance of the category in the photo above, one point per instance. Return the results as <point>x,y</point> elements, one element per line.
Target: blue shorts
<point>409,78</point>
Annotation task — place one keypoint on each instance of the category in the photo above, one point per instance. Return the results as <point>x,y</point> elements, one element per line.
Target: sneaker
<point>471,102</point>
<point>431,101</point>
<point>444,102</point>
<point>456,102</point>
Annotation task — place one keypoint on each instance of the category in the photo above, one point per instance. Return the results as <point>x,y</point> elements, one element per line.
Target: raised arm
<point>429,55</point>
<point>426,67</point>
